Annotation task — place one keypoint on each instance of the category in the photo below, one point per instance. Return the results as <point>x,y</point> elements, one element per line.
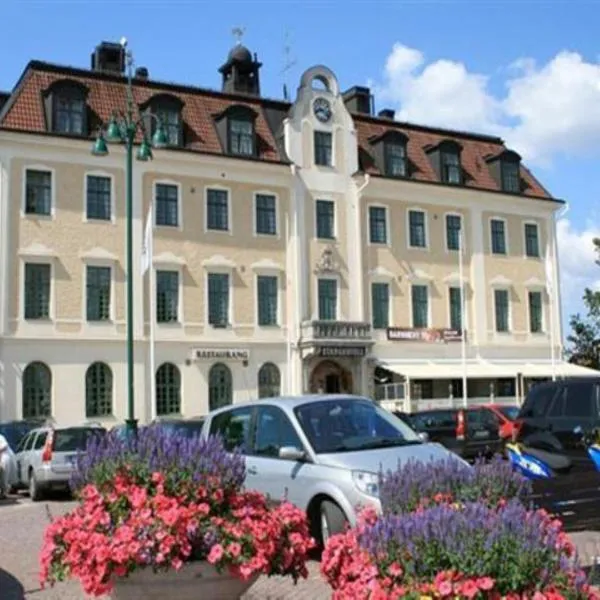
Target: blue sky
<point>527,70</point>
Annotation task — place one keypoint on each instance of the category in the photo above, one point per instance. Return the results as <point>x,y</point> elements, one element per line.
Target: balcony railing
<point>354,331</point>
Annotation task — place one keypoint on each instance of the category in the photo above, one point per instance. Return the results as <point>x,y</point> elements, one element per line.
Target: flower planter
<point>191,582</point>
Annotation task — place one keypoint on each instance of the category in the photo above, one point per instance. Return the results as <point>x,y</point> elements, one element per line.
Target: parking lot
<point>21,528</point>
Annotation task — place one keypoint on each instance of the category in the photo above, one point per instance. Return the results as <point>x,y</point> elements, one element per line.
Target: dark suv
<point>557,416</point>
<point>469,432</point>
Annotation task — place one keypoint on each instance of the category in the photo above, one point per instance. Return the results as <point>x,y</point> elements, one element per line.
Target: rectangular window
<point>167,296</point>
<point>532,240</point>
<point>380,305</point>
<point>166,203</point>
<point>455,309</point>
<point>241,137</point>
<point>502,311</point>
<point>37,291</point>
<point>38,192</point>
<point>377,225</point>
<point>323,148</point>
<point>451,167</point>
<point>453,227</point>
<point>69,114</point>
<point>217,210</point>
<point>498,234</point>
<point>420,306</point>
<point>417,235</point>
<point>327,290</point>
<point>395,159</point>
<point>325,216</point>
<point>267,300</point>
<point>98,202</point>
<point>266,214</point>
<point>511,177</point>
<point>98,280</point>
<point>218,299</point>
<point>535,312</point>
<point>170,120</point>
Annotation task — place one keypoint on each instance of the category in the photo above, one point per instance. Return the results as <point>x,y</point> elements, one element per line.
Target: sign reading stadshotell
<point>221,353</point>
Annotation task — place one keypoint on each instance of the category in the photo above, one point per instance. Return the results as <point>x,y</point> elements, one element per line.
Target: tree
<point>584,339</point>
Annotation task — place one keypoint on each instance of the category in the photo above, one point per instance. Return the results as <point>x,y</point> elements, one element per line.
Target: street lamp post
<point>123,128</point>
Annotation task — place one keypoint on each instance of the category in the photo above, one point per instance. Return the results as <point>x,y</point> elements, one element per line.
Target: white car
<point>8,467</point>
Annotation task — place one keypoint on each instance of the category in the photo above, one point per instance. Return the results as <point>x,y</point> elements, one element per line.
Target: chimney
<point>359,100</point>
<point>142,73</point>
<point>387,113</point>
<point>109,57</point>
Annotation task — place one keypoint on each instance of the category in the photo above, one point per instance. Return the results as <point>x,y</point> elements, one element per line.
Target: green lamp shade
<point>113,133</point>
<point>145,151</point>
<point>100,148</point>
<point>160,139</point>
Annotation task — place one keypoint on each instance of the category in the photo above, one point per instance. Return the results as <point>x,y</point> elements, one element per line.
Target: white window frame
<point>510,331</point>
<point>462,229</point>
<point>179,205</point>
<point>110,176</point>
<point>424,248</point>
<point>98,262</point>
<point>221,188</point>
<point>506,236</point>
<point>425,284</point>
<point>263,272</point>
<point>268,236</point>
<point>539,239</point>
<point>338,304</point>
<point>335,219</point>
<point>47,260</point>
<point>540,291</point>
<point>176,268</point>
<point>388,232</point>
<point>38,167</point>
<point>217,270</point>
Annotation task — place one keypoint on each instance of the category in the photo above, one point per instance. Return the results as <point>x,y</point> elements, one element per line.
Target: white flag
<point>549,270</point>
<point>147,244</point>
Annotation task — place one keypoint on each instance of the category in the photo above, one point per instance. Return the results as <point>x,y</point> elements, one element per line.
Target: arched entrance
<point>328,377</point>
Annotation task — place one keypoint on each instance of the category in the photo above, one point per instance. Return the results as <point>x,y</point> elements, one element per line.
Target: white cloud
<point>546,109</point>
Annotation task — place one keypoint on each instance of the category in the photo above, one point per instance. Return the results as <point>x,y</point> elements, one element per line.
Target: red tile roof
<point>24,111</point>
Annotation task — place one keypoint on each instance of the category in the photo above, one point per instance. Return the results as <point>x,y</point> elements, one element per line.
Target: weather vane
<point>238,34</point>
<point>288,63</point>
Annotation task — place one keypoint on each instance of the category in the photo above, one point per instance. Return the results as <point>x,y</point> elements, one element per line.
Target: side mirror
<point>423,436</point>
<point>292,453</point>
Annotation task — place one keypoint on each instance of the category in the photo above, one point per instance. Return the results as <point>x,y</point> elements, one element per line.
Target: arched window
<point>269,381</point>
<point>98,390</point>
<point>220,387</point>
<point>37,391</point>
<point>168,390</point>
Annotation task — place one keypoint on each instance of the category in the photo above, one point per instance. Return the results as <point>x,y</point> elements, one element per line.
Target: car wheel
<point>331,521</point>
<point>35,493</point>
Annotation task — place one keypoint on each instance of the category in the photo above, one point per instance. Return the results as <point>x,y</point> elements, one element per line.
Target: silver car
<point>323,453</point>
<point>46,457</point>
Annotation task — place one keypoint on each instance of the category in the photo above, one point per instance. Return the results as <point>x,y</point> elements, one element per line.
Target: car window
<point>510,412</point>
<point>74,438</point>
<point>578,399</point>
<point>30,441</point>
<point>233,426</point>
<point>273,431</point>
<point>557,408</point>
<point>439,419</point>
<point>40,440</point>
<point>22,444</point>
<point>538,401</point>
<point>481,417</point>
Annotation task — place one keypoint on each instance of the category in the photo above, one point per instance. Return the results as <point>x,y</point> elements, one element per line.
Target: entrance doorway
<point>328,377</point>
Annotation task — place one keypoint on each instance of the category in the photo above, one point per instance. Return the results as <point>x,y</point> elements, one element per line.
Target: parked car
<point>46,457</point>
<point>507,415</point>
<point>558,415</point>
<point>15,431</point>
<point>468,432</point>
<point>323,453</point>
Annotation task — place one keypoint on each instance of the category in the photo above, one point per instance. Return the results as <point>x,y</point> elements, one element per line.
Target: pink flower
<point>234,549</point>
<point>485,583</point>
<point>215,554</point>
<point>469,589</point>
<point>444,588</point>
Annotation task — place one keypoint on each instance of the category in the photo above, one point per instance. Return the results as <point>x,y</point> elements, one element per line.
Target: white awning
<point>562,369</point>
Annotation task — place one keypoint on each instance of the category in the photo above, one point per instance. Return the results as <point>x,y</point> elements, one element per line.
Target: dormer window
<point>241,136</point>
<point>511,176</point>
<point>167,110</point>
<point>395,158</point>
<point>505,168</point>
<point>66,107</point>
<point>451,167</point>
<point>445,159</point>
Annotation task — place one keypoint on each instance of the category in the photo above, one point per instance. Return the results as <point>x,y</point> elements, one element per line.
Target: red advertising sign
<point>439,336</point>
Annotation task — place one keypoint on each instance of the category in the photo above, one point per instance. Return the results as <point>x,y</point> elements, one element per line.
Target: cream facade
<point>319,260</point>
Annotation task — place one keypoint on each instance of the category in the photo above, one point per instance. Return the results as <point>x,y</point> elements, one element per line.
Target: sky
<point>527,70</point>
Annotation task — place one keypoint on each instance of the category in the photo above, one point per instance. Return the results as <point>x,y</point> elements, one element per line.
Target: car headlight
<point>366,482</point>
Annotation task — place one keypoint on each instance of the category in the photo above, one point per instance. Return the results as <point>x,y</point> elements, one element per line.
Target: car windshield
<point>350,424</point>
<point>187,429</point>
<point>75,438</point>
<point>510,412</point>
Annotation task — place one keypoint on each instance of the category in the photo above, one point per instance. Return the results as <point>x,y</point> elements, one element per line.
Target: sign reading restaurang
<point>220,354</point>
<point>425,335</point>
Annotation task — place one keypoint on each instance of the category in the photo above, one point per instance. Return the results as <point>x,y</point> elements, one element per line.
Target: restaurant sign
<point>340,351</point>
<point>440,336</point>
<point>220,354</point>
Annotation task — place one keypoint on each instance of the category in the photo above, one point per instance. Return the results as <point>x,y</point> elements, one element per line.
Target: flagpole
<point>463,316</point>
<point>152,287</point>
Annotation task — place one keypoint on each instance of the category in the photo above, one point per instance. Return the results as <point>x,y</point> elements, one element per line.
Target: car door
<point>279,478</point>
<point>481,431</point>
<point>23,455</point>
<point>234,427</point>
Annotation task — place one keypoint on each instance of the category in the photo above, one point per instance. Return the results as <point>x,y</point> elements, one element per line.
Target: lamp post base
<point>132,426</point>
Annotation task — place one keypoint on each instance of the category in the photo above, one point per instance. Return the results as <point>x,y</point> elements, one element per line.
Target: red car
<point>506,417</point>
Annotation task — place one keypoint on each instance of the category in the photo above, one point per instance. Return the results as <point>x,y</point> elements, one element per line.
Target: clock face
<point>322,109</point>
